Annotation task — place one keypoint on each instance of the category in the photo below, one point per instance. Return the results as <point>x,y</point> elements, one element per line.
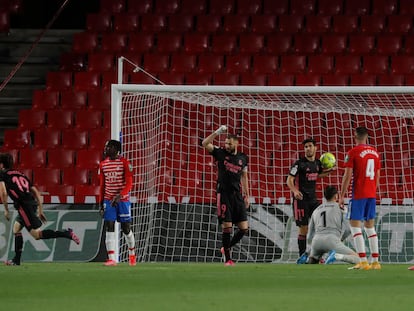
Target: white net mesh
<point>174,181</point>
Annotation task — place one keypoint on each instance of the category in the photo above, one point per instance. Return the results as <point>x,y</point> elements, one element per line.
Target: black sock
<point>301,244</point>
<point>18,247</point>
<point>51,234</point>
<point>226,243</point>
<point>238,236</point>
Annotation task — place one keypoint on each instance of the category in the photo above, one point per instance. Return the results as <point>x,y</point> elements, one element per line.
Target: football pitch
<point>198,286</point>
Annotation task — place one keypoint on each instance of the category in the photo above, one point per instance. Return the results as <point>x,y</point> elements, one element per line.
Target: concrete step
<point>31,35</point>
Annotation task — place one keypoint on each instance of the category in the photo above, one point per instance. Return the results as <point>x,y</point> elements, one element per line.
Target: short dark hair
<point>7,160</point>
<point>361,132</point>
<point>233,136</point>
<point>309,140</point>
<point>330,192</point>
<point>115,143</point>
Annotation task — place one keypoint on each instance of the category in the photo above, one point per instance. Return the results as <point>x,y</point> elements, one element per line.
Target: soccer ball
<point>328,160</point>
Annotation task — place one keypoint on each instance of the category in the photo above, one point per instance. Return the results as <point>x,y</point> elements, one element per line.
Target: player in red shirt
<point>363,164</point>
<point>115,176</point>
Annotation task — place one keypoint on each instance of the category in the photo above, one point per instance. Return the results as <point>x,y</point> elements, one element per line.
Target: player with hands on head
<point>28,203</point>
<point>362,165</point>
<point>302,183</point>
<point>115,178</point>
<point>328,227</point>
<point>232,189</point>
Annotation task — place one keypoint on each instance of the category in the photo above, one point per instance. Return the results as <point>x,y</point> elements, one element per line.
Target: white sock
<point>110,245</point>
<point>373,243</point>
<point>130,239</point>
<point>359,243</point>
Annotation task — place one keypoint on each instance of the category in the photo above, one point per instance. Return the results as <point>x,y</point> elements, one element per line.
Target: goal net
<point>174,206</point>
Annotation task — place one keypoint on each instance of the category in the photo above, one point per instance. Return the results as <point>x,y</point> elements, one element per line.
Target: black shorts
<point>303,209</point>
<point>28,217</point>
<point>231,207</point>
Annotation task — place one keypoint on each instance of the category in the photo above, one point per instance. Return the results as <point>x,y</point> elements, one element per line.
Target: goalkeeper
<point>232,200</point>
<point>327,229</point>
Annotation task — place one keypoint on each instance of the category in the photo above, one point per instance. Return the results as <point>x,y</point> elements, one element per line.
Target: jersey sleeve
<point>349,161</point>
<point>128,177</point>
<point>294,169</point>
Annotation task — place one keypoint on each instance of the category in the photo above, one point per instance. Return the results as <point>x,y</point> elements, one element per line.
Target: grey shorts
<point>323,243</point>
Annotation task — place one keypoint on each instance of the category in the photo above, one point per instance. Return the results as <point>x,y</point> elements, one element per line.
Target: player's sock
<point>110,245</point>
<point>130,239</point>
<point>347,258</point>
<point>226,243</point>
<point>51,234</point>
<point>359,243</point>
<point>18,247</point>
<point>373,243</point>
<point>238,236</point>
<point>301,244</point>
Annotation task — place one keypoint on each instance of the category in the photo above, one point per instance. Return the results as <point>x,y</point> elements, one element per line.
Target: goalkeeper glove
<point>221,129</point>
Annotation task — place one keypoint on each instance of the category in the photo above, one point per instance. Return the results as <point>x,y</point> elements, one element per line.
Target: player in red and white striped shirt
<point>115,176</point>
<point>363,164</point>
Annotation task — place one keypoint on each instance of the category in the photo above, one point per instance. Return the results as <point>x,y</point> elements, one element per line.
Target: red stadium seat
<point>45,99</point>
<point>389,44</point>
<point>156,63</point>
<point>43,177</point>
<point>98,22</point>
<point>276,7</point>
<point>70,61</point>
<point>292,64</point>
<point>251,43</point>
<point>198,78</point>
<point>180,23</point>
<point>88,159</point>
<point>113,6</point>
<point>265,64</point>
<point>238,63</point>
<point>349,64</point>
<point>330,7</point>
<point>101,61</point>
<point>406,7</point>
<point>220,78</point>
<point>248,7</point>
<point>193,7</point>
<point>375,64</point>
<point>182,63</point>
<point>87,120</point>
<point>16,138</point>
<point>58,80</point>
<point>302,7</point>
<point>74,138</point>
<point>391,80</point>
<point>290,23</point>
<point>86,193</point>
<point>280,44</point>
<point>167,7</point>
<point>71,100</point>
<point>307,79</point>
<point>141,78</point>
<point>402,64</point>
<point>357,7</point>
<point>169,42</point>
<point>60,158</point>
<point>320,64</point>
<point>113,42</point>
<point>87,80</point>
<point>363,80</point>
<point>384,7</point>
<point>333,44</point>
<point>306,43</point>
<point>263,24</point>
<point>335,80</point>
<point>361,44</point>
<point>345,24</point>
<point>140,7</point>
<point>372,24</point>
<point>98,138</point>
<point>224,43</point>
<point>46,138</point>
<point>79,176</point>
<point>196,43</point>
<point>153,23</point>
<point>99,100</point>
<point>31,119</point>
<point>107,79</point>
<point>235,24</point>
<point>399,24</point>
<point>85,42</point>
<point>59,119</point>
<point>4,22</point>
<point>221,7</point>
<point>280,79</point>
<point>210,63</point>
<point>249,78</point>
<point>409,79</point>
<point>32,158</point>
<point>140,42</point>
<point>208,24</point>
<point>318,24</point>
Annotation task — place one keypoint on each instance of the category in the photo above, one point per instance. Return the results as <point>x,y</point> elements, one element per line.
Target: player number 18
<point>370,169</point>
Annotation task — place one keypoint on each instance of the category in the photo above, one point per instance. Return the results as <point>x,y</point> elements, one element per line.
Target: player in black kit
<point>27,201</point>
<point>232,189</point>
<point>302,182</point>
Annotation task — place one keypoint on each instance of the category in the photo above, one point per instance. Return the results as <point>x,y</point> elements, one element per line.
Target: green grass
<point>155,286</point>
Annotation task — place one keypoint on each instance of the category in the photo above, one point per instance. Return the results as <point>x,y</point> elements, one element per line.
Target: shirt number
<point>21,183</point>
<point>370,169</point>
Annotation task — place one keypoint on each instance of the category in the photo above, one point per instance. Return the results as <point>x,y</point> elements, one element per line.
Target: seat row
<point>259,24</point>
<point>319,7</point>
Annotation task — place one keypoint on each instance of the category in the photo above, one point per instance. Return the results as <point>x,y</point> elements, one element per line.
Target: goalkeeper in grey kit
<point>327,229</point>
<point>232,189</point>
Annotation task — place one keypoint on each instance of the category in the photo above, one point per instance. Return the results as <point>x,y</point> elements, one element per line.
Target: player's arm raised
<point>208,141</point>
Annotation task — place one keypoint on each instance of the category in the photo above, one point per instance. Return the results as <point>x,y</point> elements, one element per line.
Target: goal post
<point>161,128</point>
